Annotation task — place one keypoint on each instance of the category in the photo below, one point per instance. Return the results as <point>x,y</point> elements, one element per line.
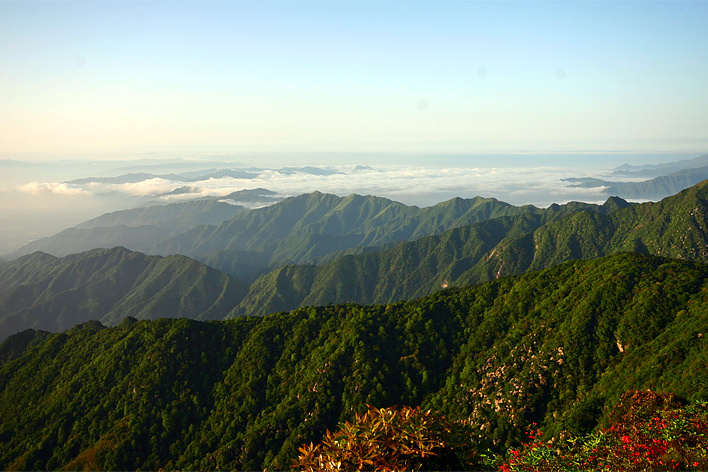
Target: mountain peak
<point>615,203</point>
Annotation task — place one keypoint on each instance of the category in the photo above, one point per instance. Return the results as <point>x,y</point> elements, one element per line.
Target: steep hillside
<point>44,292</point>
<point>675,227</point>
<point>415,268</point>
<point>307,228</point>
<point>555,347</point>
<point>405,271</point>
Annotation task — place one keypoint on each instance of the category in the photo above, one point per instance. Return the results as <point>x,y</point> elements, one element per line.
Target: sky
<point>118,78</point>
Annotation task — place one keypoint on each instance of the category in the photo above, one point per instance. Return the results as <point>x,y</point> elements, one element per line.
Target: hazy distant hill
<point>657,170</point>
<point>175,217</point>
<point>129,178</point>
<point>137,229</point>
<point>75,240</point>
<point>668,179</point>
<point>675,227</point>
<point>205,174</point>
<point>41,291</point>
<point>554,347</point>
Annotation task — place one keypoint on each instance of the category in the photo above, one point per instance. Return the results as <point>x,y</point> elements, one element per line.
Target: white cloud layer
<point>421,186</point>
<point>59,188</point>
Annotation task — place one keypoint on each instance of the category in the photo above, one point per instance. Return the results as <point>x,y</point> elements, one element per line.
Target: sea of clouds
<point>421,186</point>
<point>33,208</point>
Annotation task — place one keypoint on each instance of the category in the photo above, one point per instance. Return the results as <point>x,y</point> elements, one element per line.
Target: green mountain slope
<point>44,292</point>
<point>675,227</point>
<point>554,347</point>
<point>307,228</point>
<point>411,269</point>
<point>403,272</point>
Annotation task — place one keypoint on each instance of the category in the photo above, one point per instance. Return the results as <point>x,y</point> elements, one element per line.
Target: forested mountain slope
<point>41,291</point>
<point>554,347</point>
<point>307,228</point>
<point>109,285</point>
<point>674,227</point>
<point>403,272</point>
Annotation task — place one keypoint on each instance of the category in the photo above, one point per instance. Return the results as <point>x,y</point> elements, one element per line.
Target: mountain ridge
<point>486,251</point>
<point>553,347</point>
<point>41,291</point>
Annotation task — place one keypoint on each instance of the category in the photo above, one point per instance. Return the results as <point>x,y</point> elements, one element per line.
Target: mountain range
<point>139,228</point>
<point>200,175</point>
<point>674,227</point>
<point>300,228</point>
<point>309,228</point>
<point>364,255</point>
<point>663,179</point>
<point>44,292</point>
<point>553,347</point>
<point>499,315</point>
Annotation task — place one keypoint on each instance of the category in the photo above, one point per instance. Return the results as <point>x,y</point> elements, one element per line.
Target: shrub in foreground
<point>649,432</point>
<point>394,439</point>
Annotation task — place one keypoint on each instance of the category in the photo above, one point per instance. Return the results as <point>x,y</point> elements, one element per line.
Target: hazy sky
<point>116,77</point>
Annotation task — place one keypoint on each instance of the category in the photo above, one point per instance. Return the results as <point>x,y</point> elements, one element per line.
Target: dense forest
<point>48,293</point>
<point>674,227</point>
<point>555,347</point>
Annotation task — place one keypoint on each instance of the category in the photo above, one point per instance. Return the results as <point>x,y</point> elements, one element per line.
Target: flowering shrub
<point>393,439</point>
<point>649,432</point>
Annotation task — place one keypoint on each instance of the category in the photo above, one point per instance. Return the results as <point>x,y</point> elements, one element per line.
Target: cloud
<point>417,185</point>
<point>59,188</point>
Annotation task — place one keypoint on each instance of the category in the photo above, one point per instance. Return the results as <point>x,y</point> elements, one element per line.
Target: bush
<point>649,432</point>
<point>394,439</point>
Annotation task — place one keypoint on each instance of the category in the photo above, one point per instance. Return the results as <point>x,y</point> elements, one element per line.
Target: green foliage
<point>394,439</point>
<point>316,227</point>
<point>519,241</point>
<point>649,432</point>
<point>43,292</point>
<point>557,347</point>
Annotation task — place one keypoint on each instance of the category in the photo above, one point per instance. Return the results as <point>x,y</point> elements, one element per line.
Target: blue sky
<point>115,78</point>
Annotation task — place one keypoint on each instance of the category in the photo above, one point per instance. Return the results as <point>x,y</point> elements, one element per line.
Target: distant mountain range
<point>504,240</point>
<point>664,179</point>
<point>304,229</point>
<point>139,229</point>
<point>657,170</point>
<point>675,227</point>
<point>196,176</point>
